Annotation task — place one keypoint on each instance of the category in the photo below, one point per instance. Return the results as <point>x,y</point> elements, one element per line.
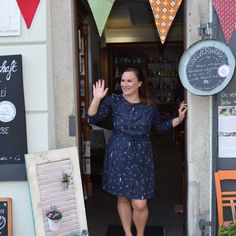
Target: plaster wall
<point>199,131</point>
<point>34,45</point>
<point>63,69</point>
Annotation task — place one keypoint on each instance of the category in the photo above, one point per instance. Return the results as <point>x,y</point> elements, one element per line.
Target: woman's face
<point>130,83</point>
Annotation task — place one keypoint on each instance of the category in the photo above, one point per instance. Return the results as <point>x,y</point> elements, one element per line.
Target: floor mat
<point>116,230</point>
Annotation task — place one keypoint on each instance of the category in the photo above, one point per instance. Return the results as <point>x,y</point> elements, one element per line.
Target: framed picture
<point>6,216</point>
<point>56,192</point>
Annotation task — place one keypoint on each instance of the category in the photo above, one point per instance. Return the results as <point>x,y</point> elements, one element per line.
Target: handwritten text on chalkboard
<point>227,99</point>
<point>12,111</point>
<point>206,67</point>
<point>8,69</point>
<point>202,69</point>
<point>5,217</point>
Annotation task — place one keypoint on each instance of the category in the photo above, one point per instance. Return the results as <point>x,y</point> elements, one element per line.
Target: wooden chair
<point>225,198</point>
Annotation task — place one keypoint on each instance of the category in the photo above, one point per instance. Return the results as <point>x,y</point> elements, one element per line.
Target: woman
<point>128,166</point>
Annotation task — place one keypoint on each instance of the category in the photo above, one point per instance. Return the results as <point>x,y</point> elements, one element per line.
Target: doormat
<point>117,230</point>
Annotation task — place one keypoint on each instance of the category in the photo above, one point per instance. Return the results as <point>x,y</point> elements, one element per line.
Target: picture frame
<point>45,172</point>
<point>6,216</point>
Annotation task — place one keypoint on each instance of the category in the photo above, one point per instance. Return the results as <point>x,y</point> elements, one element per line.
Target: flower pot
<point>84,232</point>
<point>54,225</point>
<point>65,185</point>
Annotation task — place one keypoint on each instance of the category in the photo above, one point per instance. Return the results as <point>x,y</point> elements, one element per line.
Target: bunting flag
<point>226,10</point>
<point>101,10</point>
<point>164,12</point>
<point>28,9</point>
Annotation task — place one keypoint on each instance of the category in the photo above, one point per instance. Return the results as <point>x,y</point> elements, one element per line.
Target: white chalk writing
<point>232,95</point>
<point>10,158</point>
<point>8,69</point>
<point>2,222</point>
<point>3,93</point>
<point>4,130</point>
<point>224,95</point>
<point>206,51</point>
<point>227,99</point>
<point>225,102</point>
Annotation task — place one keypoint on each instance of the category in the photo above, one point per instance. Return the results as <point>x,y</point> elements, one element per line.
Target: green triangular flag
<point>101,10</point>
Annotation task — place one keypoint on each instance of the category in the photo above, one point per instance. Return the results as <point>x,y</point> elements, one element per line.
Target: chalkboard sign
<point>226,113</point>
<point>206,67</point>
<point>5,217</point>
<point>12,111</point>
<point>227,97</point>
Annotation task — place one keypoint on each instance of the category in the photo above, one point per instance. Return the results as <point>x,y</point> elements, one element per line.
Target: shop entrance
<point>128,40</point>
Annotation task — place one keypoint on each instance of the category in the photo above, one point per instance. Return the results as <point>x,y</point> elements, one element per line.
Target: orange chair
<point>225,198</point>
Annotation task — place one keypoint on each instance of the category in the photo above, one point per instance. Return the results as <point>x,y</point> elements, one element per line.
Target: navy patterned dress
<point>128,165</point>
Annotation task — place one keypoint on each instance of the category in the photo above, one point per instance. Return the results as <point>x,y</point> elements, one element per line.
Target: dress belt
<point>130,138</point>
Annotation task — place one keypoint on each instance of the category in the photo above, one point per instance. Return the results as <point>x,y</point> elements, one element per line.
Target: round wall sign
<point>7,111</point>
<point>206,67</point>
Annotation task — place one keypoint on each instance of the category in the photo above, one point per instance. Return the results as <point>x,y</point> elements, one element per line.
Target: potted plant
<point>227,230</point>
<point>65,180</point>
<point>84,232</point>
<point>54,217</point>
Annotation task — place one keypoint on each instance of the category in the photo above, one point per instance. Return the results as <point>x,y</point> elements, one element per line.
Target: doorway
<point>118,48</point>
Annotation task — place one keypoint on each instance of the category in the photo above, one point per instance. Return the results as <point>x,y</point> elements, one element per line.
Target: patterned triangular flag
<point>226,10</point>
<point>28,9</point>
<point>164,12</point>
<point>101,10</point>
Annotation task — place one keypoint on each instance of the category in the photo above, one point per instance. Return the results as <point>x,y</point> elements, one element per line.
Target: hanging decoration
<point>226,10</point>
<point>164,12</point>
<point>28,9</point>
<point>101,10</point>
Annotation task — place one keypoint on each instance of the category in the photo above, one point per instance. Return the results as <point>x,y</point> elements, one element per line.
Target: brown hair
<point>143,90</point>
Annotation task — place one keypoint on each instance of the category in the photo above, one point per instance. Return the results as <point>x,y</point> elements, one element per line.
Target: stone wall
<point>199,131</point>
<point>63,69</point>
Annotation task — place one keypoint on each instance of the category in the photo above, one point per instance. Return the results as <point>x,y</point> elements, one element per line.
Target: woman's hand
<point>99,90</point>
<point>182,111</point>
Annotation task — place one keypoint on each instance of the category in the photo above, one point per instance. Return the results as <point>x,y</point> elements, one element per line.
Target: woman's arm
<point>99,92</point>
<point>165,125</point>
<point>182,112</point>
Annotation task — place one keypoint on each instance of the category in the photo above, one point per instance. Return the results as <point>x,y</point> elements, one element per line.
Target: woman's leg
<point>125,213</point>
<point>140,215</point>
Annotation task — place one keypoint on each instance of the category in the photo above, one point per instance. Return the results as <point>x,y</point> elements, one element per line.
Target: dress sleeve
<point>104,110</point>
<point>160,125</point>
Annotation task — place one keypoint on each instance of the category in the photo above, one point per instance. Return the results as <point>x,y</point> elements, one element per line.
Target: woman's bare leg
<point>140,215</point>
<point>125,213</point>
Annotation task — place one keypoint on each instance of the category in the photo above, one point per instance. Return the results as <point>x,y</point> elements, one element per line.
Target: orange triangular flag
<point>164,12</point>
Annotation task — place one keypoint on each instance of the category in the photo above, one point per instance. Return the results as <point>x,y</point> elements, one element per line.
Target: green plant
<point>229,230</point>
<point>54,213</point>
<point>65,177</point>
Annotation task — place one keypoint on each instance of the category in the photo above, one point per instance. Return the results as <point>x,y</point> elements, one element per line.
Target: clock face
<point>206,67</point>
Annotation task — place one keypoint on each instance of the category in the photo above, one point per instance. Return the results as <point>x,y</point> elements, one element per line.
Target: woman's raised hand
<point>99,90</point>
